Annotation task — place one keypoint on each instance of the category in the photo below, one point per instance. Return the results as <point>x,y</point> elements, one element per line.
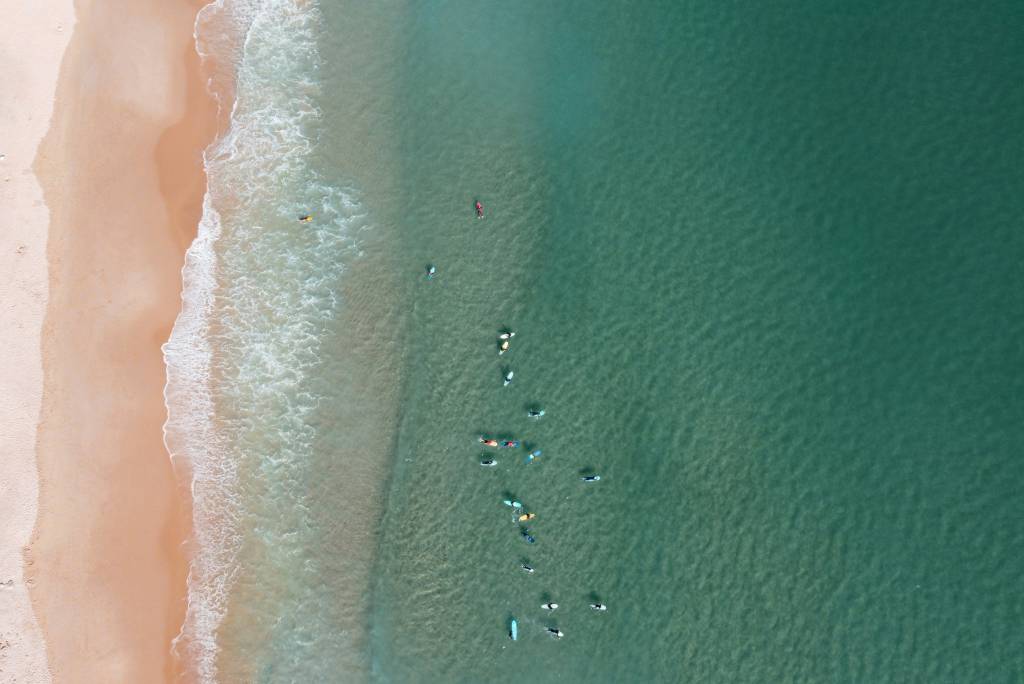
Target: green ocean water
<point>764,263</point>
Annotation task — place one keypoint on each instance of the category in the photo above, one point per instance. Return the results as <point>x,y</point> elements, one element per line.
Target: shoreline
<point>36,38</point>
<point>122,172</point>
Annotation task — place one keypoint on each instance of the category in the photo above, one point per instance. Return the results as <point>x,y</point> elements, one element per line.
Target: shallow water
<point>764,269</point>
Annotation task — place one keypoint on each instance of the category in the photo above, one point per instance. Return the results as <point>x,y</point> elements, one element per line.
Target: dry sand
<point>32,39</point>
<point>121,170</point>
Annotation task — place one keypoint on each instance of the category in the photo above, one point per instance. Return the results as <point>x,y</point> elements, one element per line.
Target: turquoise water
<point>764,267</point>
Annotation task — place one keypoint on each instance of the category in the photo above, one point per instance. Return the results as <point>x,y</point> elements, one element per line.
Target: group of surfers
<point>504,343</point>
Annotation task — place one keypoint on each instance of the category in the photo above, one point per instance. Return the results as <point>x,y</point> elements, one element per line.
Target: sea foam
<point>258,288</point>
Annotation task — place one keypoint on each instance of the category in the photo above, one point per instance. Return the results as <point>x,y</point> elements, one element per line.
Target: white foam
<point>190,435</point>
<point>243,340</point>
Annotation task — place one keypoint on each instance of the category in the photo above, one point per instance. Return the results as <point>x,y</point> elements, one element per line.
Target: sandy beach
<point>35,36</point>
<point>121,173</point>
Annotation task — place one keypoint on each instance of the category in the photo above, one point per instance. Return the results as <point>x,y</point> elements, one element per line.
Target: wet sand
<point>121,170</point>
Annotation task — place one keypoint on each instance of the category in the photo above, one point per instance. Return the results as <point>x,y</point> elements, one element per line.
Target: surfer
<point>598,606</point>
<point>479,210</point>
<point>488,462</point>
<point>527,516</point>
<point>532,413</point>
<point>527,568</point>
<point>488,442</point>
<point>510,444</point>
<point>549,606</point>
<point>508,379</point>
<point>506,335</point>
<point>527,536</point>
<point>513,503</point>
<point>503,347</point>
<point>590,478</point>
<point>556,633</point>
<point>431,272</point>
<point>306,218</point>
<point>532,455</point>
